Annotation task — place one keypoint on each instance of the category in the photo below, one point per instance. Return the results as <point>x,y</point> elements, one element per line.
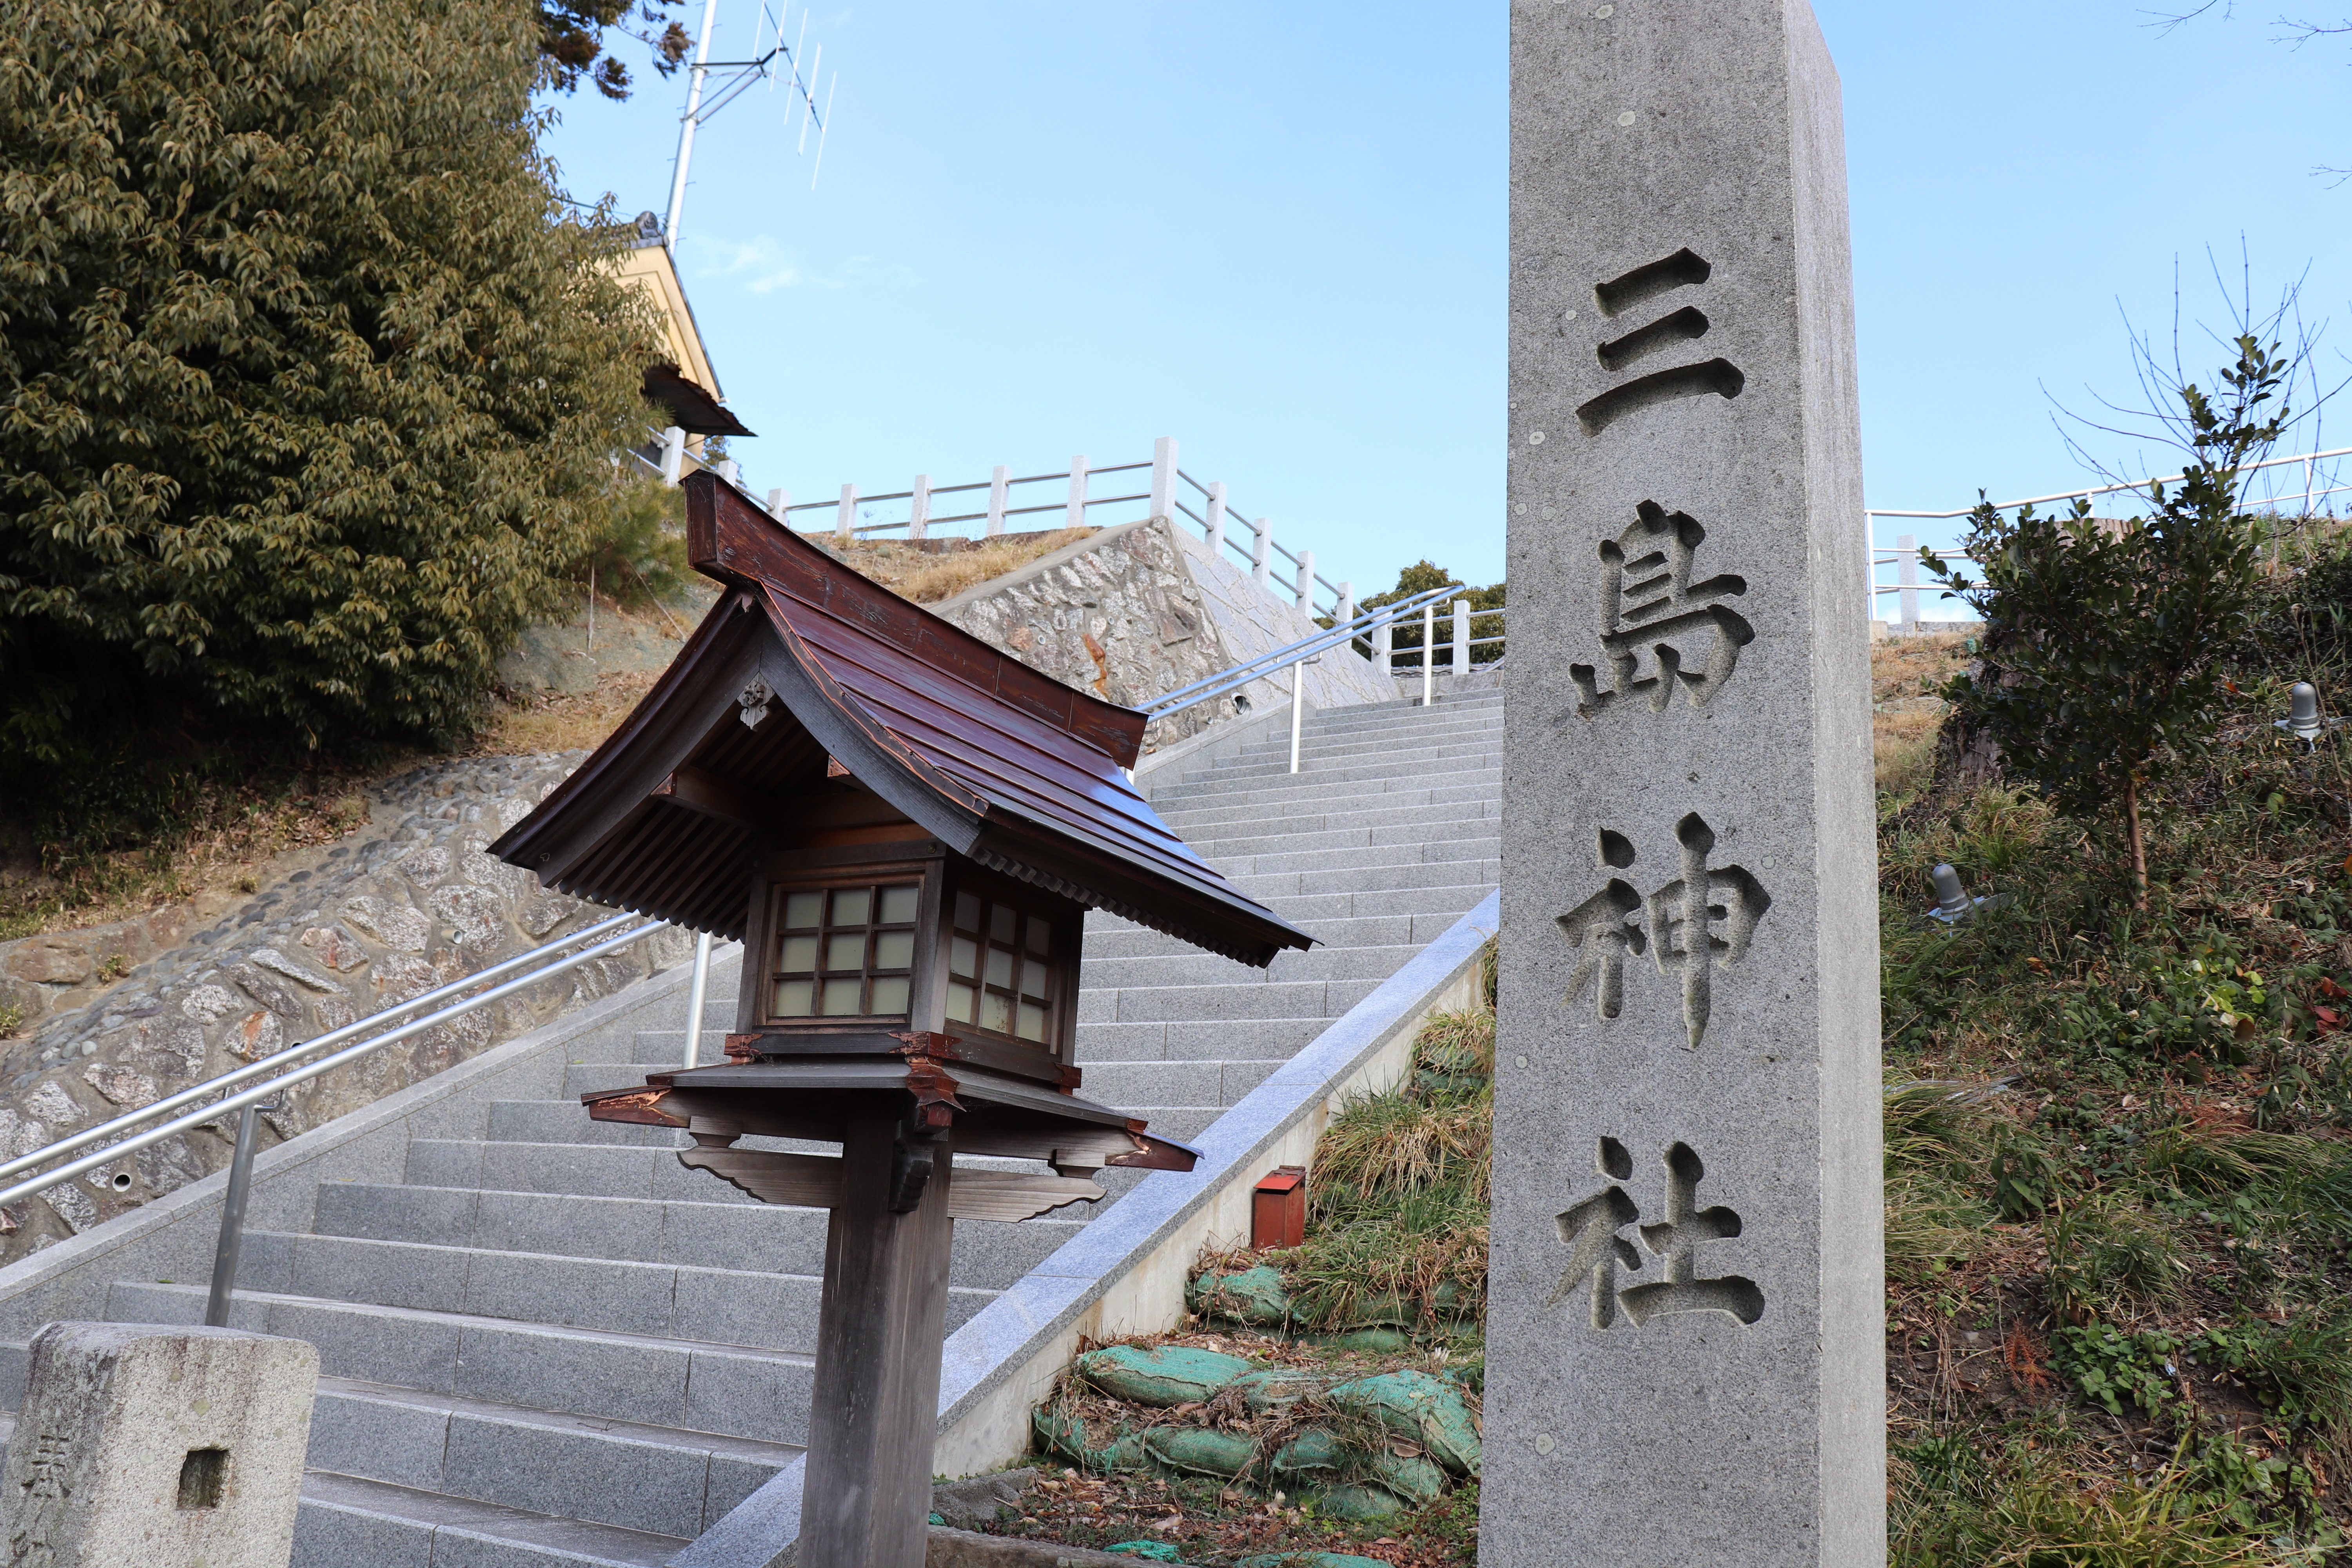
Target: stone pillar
<point>1684,1333</point>
<point>163,1447</point>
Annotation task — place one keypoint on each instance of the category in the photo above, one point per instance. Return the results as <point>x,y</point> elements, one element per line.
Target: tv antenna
<point>735,77</point>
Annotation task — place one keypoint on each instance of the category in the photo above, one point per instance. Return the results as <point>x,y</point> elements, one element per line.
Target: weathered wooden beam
<point>866,1500</point>
<point>813,1180</point>
<point>698,790</point>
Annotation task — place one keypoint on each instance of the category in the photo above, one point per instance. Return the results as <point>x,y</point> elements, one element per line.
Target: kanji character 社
<point>1686,1224</point>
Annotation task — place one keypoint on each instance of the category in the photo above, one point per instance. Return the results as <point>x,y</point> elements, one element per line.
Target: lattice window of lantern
<point>1001,971</point>
<point>844,952</point>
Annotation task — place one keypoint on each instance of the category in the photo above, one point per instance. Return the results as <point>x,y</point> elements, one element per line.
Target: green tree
<point>1419,578</point>
<point>307,385</point>
<point>2103,641</point>
<point>572,41</point>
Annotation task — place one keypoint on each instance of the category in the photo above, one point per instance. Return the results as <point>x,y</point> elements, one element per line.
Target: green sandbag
<point>1068,1439</point>
<point>1173,1374</point>
<point>1316,1449</point>
<point>1310,1560</point>
<point>1149,1551</point>
<point>1199,1451</point>
<point>1378,1341</point>
<point>1417,1480</point>
<point>1429,1410</point>
<point>1253,1296</point>
<point>1358,1503</point>
<point>1388,1312</point>
<point>1272,1388</point>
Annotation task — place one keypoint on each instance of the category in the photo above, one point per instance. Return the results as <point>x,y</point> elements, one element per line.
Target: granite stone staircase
<point>548,1342</point>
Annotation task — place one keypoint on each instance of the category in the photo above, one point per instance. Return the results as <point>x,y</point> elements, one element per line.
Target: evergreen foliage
<point>308,386</point>
<point>2104,644</point>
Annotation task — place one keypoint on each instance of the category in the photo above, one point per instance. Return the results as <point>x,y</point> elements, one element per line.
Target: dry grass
<point>928,579</point>
<point>233,835</point>
<point>572,722</point>
<point>1905,675</point>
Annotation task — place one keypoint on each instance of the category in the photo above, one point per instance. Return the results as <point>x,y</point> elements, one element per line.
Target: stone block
<point>163,1447</point>
<point>1685,1329</point>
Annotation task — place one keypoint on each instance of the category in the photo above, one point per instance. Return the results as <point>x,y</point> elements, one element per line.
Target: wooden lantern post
<point>906,827</point>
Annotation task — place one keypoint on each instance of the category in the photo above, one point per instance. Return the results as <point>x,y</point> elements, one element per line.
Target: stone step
<point>567,1122</point>
<point>988,1255</point>
<point>1189,1004</point>
<point>1406,768</point>
<point>1275,885</point>
<point>1309,813</point>
<point>1270,1039</point>
<point>1375,857</point>
<point>1302,792</point>
<point>754,1309</point>
<point>1176,1083</point>
<point>1287,838</point>
<point>725,1390</point>
<point>656,1481</point>
<point>1386,931</point>
<point>345,1522</point>
<point>1208,968</point>
<point>1320,755</point>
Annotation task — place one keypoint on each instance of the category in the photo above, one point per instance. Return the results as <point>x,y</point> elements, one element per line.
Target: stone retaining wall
<point>1140,610</point>
<point>384,917</point>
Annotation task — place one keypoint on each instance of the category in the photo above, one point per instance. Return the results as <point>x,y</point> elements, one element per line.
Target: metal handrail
<point>239,1099</point>
<point>1265,664</point>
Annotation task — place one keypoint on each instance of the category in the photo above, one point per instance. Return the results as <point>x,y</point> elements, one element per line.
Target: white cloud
<point>762,266</point>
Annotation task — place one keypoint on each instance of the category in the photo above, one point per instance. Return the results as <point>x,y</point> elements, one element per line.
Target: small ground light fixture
<point>2302,721</point>
<point>1953,904</point>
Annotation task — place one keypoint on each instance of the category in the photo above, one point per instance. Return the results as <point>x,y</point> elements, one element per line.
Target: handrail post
<point>845,523</point>
<point>1163,477</point>
<point>919,517</point>
<point>232,1228</point>
<point>1461,664</point>
<point>1076,517</point>
<point>1215,528</point>
<point>780,501</point>
<point>1428,648</point>
<point>1297,707</point>
<point>1907,573</point>
<point>1307,583</point>
<point>673,454</point>
<point>695,993</point>
<point>1384,650</point>
<point>1345,610</point>
<point>996,500</point>
<point>1261,544</point>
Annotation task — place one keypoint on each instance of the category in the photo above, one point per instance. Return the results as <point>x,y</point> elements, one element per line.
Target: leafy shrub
<point>2111,1366</point>
<point>2302,1369</point>
<point>306,380</point>
<point>633,543</point>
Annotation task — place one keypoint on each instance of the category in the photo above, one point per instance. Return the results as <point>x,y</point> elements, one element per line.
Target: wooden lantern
<point>905,828</point>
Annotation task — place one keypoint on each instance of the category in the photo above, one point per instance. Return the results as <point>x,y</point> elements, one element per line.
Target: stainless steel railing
<point>229,1091</point>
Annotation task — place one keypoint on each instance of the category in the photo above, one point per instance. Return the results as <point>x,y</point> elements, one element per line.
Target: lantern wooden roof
<point>1000,762</point>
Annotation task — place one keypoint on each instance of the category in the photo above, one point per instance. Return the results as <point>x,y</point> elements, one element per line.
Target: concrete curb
<point>1125,1273</point>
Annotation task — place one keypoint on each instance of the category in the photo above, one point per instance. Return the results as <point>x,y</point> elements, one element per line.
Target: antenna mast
<point>685,128</point>
<point>746,73</point>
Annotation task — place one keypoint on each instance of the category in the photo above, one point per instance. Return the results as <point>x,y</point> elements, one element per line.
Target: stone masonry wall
<point>384,917</point>
<point>1140,610</point>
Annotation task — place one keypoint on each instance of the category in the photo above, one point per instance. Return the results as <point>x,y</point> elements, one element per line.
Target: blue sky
<point>1278,234</point>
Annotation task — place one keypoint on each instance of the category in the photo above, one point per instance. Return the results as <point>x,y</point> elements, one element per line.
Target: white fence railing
<point>2272,486</point>
<point>1084,495</point>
